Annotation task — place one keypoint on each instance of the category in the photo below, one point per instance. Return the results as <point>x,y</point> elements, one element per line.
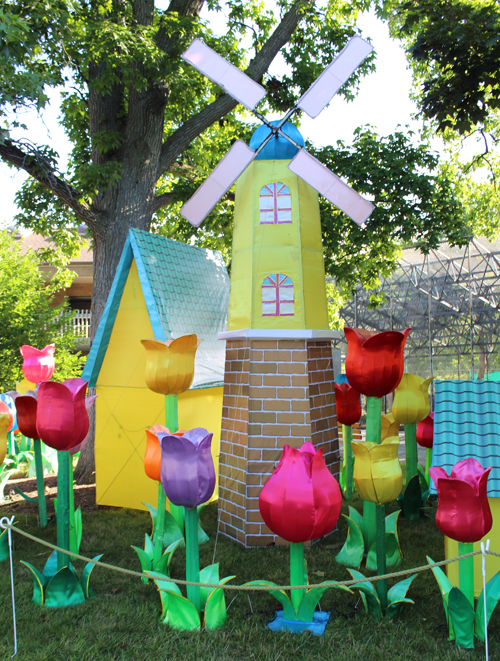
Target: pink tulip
<point>62,418</point>
<point>38,365</point>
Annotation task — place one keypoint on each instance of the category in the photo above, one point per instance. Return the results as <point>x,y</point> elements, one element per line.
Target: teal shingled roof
<point>467,424</point>
<point>186,290</point>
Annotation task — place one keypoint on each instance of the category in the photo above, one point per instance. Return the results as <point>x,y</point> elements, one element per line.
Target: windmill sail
<point>218,183</point>
<point>330,186</point>
<point>232,80</point>
<point>334,76</point>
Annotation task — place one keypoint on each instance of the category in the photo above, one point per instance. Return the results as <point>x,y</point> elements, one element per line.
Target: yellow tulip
<point>170,364</point>
<point>390,427</point>
<point>411,399</point>
<point>4,425</point>
<point>377,472</point>
<point>24,385</point>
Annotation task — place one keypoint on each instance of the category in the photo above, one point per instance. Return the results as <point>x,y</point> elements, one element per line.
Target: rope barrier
<point>253,588</point>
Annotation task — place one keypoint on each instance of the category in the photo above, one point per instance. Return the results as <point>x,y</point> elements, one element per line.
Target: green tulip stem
<point>466,571</point>
<point>381,555</point>
<point>11,443</point>
<point>411,451</point>
<point>62,508</point>
<point>159,525</point>
<point>297,573</point>
<point>192,555</point>
<point>72,531</point>
<point>428,464</point>
<point>347,439</point>
<point>172,422</point>
<point>40,482</point>
<point>374,435</point>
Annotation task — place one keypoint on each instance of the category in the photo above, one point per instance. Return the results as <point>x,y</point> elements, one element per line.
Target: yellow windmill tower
<point>277,275</point>
<point>278,383</point>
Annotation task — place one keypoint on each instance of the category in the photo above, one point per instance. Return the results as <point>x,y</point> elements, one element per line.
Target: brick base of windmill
<point>276,392</point>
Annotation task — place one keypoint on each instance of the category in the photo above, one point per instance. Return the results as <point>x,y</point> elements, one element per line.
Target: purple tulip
<point>187,467</point>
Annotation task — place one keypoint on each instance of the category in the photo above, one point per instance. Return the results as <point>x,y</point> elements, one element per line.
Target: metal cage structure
<point>450,298</point>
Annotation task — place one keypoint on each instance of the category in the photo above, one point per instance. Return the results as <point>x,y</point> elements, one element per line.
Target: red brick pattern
<point>268,402</point>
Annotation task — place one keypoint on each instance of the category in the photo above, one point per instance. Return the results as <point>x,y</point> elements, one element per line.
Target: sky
<point>383,101</point>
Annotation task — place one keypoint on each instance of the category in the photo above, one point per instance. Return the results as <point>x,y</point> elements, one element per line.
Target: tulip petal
<point>469,470</point>
<point>363,472</point>
<point>196,435</point>
<point>26,408</point>
<point>206,470</point>
<point>327,497</point>
<point>152,456</point>
<point>437,473</point>
<point>386,470</point>
<point>179,474</point>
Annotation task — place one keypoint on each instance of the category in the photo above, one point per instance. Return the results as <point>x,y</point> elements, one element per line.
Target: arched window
<point>275,204</point>
<point>277,296</point>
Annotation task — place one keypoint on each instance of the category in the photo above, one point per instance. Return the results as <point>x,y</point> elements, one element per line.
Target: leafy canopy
<point>26,316</point>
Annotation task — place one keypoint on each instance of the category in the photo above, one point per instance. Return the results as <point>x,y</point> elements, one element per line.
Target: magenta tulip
<point>301,500</point>
<point>38,365</point>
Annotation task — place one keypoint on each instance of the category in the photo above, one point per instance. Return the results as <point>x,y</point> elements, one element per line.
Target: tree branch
<point>162,200</point>
<point>37,166</point>
<point>184,135</point>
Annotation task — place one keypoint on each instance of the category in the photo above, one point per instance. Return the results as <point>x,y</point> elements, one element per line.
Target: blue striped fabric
<point>467,424</point>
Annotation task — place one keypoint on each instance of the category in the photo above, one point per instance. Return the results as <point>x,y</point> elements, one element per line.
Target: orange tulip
<point>170,364</point>
<point>152,457</point>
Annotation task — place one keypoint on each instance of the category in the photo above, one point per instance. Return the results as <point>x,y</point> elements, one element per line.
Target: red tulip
<point>375,361</point>
<point>38,365</point>
<point>26,406</point>
<point>301,500</point>
<point>62,418</point>
<point>348,404</point>
<point>425,432</point>
<point>463,510</point>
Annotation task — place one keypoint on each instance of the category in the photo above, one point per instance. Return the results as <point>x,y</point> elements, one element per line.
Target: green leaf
<point>39,586</point>
<point>64,589</point>
<point>391,525</point>
<point>445,587</point>
<point>209,574</point>
<point>215,609</point>
<point>148,546</point>
<point>165,588</point>
<point>50,568</point>
<point>171,532</point>
<point>311,600</point>
<point>424,486</point>
<point>280,595</point>
<point>356,517</point>
<point>182,614</point>
<point>368,594</point>
<point>144,558</point>
<point>392,553</point>
<point>85,579</point>
<point>351,554</point>
<point>153,512</point>
<point>492,597</point>
<point>394,608</point>
<point>462,616</point>
<point>412,499</point>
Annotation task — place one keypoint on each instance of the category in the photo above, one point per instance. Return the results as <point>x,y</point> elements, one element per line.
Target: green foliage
<point>26,316</point>
<point>454,46</point>
<point>414,203</point>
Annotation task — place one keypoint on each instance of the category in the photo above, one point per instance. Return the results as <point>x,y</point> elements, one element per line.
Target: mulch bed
<point>84,496</point>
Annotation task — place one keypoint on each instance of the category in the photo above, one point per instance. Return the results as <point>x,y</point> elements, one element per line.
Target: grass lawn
<point>122,622</point>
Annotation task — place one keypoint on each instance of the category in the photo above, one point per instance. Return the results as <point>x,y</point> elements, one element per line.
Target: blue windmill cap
<point>278,148</point>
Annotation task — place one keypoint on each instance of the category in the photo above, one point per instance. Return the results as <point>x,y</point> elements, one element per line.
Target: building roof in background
<point>186,290</point>
<point>37,241</point>
<point>467,424</point>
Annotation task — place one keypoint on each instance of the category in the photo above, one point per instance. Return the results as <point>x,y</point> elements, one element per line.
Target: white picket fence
<point>81,323</point>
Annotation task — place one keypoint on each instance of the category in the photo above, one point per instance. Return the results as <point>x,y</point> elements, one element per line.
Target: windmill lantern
<point>279,373</point>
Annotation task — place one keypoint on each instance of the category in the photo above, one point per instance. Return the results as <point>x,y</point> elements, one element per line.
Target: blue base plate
<point>317,626</point>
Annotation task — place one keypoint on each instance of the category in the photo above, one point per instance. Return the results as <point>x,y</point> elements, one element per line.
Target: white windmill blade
<point>218,70</point>
<point>218,182</point>
<point>330,186</point>
<point>334,76</point>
